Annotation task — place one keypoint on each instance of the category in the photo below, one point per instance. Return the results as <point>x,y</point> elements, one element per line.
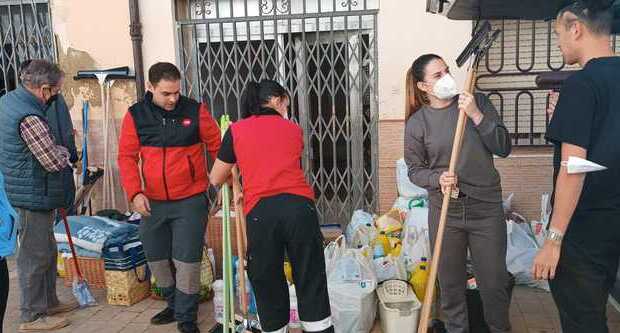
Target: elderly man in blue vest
<point>35,160</point>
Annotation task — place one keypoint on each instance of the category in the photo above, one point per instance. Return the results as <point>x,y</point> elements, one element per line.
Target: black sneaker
<point>188,327</point>
<point>166,316</point>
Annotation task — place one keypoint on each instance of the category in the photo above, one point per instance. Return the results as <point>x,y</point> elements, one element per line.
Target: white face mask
<point>579,165</point>
<point>445,88</point>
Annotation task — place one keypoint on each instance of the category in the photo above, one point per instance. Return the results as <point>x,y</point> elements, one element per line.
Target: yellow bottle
<point>288,272</point>
<point>396,251</point>
<point>419,278</point>
<point>385,242</point>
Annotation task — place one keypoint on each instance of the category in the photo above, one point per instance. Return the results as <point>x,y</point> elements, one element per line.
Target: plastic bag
<point>389,268</point>
<point>218,301</point>
<point>539,227</point>
<point>521,251</point>
<point>404,205</point>
<point>390,222</point>
<point>359,219</point>
<point>363,236</point>
<point>352,295</point>
<point>333,251</point>
<point>405,187</point>
<point>416,241</point>
<point>293,321</point>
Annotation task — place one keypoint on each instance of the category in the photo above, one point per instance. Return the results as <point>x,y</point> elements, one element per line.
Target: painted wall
<point>405,32</point>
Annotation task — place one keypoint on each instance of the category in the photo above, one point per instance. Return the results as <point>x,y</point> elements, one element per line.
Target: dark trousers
<point>288,223</point>
<point>4,289</point>
<point>480,227</point>
<point>173,236</point>
<point>586,272</point>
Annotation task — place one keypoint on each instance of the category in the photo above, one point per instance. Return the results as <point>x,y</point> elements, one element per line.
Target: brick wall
<point>527,172</point>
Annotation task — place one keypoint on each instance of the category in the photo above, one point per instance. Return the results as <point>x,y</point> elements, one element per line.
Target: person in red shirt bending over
<point>280,209</point>
<point>163,170</point>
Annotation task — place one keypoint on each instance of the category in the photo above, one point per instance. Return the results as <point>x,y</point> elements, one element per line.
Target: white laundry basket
<point>399,308</point>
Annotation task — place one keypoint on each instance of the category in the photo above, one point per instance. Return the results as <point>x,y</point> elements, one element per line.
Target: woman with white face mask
<point>475,217</point>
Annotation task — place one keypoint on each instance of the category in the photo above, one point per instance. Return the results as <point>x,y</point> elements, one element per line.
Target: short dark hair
<point>40,72</point>
<point>163,71</point>
<point>596,15</point>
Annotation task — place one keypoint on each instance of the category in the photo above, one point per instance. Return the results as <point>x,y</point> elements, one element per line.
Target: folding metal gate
<point>324,52</point>
<point>25,33</point>
<point>523,50</point>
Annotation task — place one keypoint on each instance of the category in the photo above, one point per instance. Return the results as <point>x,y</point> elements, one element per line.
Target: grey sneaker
<point>44,324</point>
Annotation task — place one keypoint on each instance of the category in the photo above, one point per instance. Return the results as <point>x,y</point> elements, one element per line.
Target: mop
<point>106,79</point>
<point>232,323</point>
<point>80,288</point>
<point>477,47</point>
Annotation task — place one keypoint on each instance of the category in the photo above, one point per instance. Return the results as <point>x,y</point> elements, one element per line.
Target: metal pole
<point>135,31</point>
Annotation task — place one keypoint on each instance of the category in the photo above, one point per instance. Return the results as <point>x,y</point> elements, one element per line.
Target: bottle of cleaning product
<point>378,251</point>
<point>419,278</point>
<point>384,241</point>
<point>288,272</point>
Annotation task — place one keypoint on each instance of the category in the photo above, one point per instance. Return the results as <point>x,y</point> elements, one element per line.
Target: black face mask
<point>51,100</point>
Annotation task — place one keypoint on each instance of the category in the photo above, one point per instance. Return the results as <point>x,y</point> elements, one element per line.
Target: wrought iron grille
<point>25,33</point>
<point>507,76</point>
<point>324,52</point>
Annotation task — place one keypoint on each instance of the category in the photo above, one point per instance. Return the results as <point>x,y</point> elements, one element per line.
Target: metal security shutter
<point>324,53</point>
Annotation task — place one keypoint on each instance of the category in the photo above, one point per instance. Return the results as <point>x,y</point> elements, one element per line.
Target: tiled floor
<point>532,311</point>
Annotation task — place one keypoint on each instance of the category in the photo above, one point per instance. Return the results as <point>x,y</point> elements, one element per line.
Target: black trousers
<point>586,272</point>
<point>288,223</point>
<point>4,289</point>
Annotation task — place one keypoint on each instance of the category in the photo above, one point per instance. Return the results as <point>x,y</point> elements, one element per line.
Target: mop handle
<point>436,255</point>
<point>241,241</point>
<point>63,214</point>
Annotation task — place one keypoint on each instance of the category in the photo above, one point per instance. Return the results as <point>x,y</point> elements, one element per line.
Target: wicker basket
<point>92,270</point>
<point>127,287</point>
<point>206,280</point>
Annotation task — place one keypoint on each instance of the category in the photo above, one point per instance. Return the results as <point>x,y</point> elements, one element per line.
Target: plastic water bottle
<point>378,251</point>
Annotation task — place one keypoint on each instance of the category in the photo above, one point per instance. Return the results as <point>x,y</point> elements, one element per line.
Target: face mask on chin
<point>445,88</point>
<point>51,100</point>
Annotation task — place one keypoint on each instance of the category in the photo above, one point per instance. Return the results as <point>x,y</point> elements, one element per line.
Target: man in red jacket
<point>163,170</point>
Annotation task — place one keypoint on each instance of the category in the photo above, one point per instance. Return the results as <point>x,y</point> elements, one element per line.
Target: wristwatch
<point>554,236</point>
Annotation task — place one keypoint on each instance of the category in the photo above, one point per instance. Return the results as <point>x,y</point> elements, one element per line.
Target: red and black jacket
<point>162,153</point>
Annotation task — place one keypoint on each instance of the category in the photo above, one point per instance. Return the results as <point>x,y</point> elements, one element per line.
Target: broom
<point>477,47</point>
<point>80,289</point>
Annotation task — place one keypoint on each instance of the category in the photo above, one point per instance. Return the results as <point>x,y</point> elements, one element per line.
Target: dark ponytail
<point>415,98</point>
<point>256,95</point>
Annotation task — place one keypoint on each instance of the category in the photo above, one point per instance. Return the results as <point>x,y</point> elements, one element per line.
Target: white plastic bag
<point>416,241</point>
<point>218,300</point>
<point>539,227</point>
<point>362,237</point>
<point>389,268</point>
<point>359,220</point>
<point>293,321</point>
<point>333,251</point>
<point>406,204</point>
<point>405,187</point>
<point>351,284</point>
<point>521,251</point>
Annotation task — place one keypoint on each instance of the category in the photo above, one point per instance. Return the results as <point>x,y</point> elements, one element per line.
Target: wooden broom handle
<point>241,240</point>
<point>436,255</point>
